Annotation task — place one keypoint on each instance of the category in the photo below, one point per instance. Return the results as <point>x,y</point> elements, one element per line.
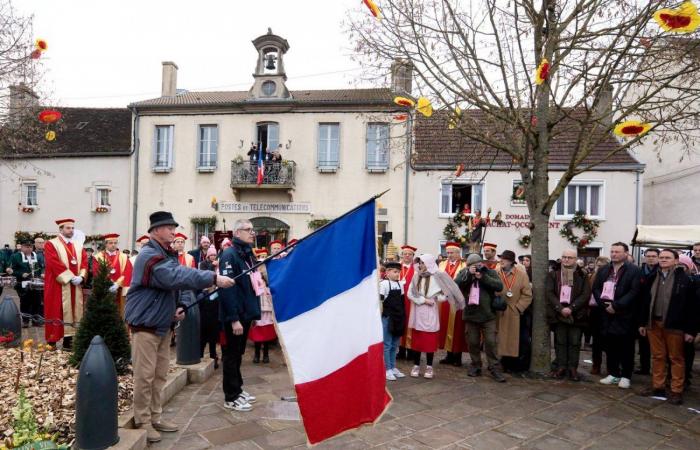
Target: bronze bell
<point>270,65</point>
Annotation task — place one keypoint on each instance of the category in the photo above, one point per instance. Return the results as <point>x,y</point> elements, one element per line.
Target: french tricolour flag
<point>261,165</point>
<point>328,319</point>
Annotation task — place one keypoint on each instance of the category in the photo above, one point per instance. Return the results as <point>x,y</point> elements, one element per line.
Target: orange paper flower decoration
<point>50,135</point>
<point>41,45</point>
<point>400,117</point>
<point>373,8</point>
<point>632,128</point>
<point>684,19</point>
<point>424,107</point>
<point>36,54</point>
<point>403,101</point>
<point>542,72</point>
<point>49,116</point>
<point>460,169</point>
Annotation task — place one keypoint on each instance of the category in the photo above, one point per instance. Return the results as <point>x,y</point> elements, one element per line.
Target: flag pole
<point>201,297</point>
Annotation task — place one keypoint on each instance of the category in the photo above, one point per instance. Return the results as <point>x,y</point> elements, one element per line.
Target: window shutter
<point>477,197</point>
<point>446,198</point>
<point>273,137</point>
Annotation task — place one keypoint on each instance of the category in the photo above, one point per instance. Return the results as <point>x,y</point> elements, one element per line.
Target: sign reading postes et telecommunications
<point>264,207</point>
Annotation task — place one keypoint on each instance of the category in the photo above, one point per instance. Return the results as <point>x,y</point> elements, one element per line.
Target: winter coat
<point>683,308</point>
<point>626,301</point>
<point>489,284</point>
<point>238,303</point>
<point>580,296</point>
<point>509,320</point>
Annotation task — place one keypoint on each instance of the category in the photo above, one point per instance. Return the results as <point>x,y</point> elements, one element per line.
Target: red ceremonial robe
<point>406,277</point>
<point>62,300</point>
<point>185,259</point>
<point>452,325</point>
<point>120,274</point>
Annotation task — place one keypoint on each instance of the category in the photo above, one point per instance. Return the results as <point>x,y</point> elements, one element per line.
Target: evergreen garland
<point>589,227</point>
<point>452,229</point>
<point>102,318</point>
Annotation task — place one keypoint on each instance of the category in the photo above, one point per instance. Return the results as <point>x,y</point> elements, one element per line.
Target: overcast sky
<point>109,53</point>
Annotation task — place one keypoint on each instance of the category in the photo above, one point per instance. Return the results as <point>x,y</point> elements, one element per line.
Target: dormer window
<point>269,88</point>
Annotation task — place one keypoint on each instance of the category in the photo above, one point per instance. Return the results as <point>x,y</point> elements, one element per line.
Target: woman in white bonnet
<point>428,287</point>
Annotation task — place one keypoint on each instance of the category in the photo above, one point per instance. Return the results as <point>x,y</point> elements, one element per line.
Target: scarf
<point>567,276</point>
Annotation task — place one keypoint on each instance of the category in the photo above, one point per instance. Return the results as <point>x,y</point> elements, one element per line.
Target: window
<point>269,136</point>
<point>29,197</point>
<point>581,196</point>
<point>102,197</point>
<point>202,229</point>
<point>328,146</point>
<point>163,155</point>
<point>207,148</point>
<point>455,197</point>
<point>377,147</point>
<point>268,88</point>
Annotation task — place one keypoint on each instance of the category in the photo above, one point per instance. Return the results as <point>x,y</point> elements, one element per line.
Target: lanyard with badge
<point>609,286</point>
<point>564,291</point>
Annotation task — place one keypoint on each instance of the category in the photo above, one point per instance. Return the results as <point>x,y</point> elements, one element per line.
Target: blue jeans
<point>391,345</point>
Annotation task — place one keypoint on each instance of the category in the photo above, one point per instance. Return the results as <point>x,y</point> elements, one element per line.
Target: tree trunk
<point>539,233</point>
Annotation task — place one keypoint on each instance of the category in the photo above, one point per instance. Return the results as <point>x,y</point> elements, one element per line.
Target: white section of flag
<point>330,336</point>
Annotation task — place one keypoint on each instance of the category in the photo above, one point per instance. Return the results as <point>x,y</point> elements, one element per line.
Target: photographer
<point>479,285</point>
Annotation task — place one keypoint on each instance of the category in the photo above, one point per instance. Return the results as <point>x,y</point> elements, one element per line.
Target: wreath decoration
<point>452,230</point>
<point>589,227</point>
<point>525,240</point>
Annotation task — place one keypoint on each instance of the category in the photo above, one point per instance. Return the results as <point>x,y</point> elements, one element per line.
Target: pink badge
<point>565,295</point>
<point>608,290</point>
<point>257,282</point>
<point>474,295</point>
<point>592,301</point>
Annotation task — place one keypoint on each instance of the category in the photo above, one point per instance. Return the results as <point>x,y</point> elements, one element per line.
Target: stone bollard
<point>10,321</point>
<point>96,404</point>
<point>187,340</point>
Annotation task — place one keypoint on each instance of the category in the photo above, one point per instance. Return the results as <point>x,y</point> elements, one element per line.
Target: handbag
<point>498,304</point>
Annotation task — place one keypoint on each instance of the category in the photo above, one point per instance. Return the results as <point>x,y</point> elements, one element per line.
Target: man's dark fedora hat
<point>509,255</point>
<point>161,218</point>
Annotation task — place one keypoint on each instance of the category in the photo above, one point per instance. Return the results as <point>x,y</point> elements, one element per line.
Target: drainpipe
<point>638,210</point>
<point>409,137</point>
<point>135,152</point>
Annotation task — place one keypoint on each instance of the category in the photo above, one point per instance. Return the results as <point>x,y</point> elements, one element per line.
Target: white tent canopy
<point>671,236</point>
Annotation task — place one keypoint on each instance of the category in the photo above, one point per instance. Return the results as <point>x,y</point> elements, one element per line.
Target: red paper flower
<point>542,72</point>
<point>632,128</point>
<point>36,54</point>
<point>400,117</point>
<point>404,101</point>
<point>49,116</point>
<point>460,169</point>
<point>373,8</point>
<point>41,45</point>
<point>684,19</point>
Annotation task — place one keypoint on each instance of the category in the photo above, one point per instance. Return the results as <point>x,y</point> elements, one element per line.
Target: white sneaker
<point>610,380</point>
<point>624,383</point>
<point>428,372</point>
<point>415,372</point>
<point>390,375</point>
<point>248,397</point>
<point>239,405</point>
<point>397,373</point>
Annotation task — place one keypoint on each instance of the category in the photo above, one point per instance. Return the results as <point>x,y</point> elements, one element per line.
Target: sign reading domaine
<point>262,207</point>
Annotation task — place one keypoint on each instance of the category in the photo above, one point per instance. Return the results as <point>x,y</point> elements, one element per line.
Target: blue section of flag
<point>325,264</point>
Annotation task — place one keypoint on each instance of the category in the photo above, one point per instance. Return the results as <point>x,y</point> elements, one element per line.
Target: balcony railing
<point>244,174</point>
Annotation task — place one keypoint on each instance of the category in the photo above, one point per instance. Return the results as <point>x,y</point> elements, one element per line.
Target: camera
<point>482,269</point>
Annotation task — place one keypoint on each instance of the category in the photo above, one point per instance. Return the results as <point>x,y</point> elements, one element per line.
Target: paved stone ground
<point>450,411</point>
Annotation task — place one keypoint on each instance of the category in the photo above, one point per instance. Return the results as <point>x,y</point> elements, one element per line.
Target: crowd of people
<point>472,304</point>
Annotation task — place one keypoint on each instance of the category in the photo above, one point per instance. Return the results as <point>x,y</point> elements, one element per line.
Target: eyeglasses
<point>249,230</point>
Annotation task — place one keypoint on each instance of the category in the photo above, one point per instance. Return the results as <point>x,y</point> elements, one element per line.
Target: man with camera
<point>479,285</point>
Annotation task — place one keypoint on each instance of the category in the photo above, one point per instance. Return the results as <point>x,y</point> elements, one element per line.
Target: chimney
<point>22,97</point>
<point>604,105</point>
<point>401,76</point>
<point>169,85</point>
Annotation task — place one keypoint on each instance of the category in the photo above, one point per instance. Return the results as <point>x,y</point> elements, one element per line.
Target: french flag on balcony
<point>261,165</point>
<point>329,323</point>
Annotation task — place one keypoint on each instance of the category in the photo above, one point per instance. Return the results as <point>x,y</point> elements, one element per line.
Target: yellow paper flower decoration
<point>684,19</point>
<point>373,8</point>
<point>632,128</point>
<point>424,107</point>
<point>455,118</point>
<point>50,135</point>
<point>542,72</point>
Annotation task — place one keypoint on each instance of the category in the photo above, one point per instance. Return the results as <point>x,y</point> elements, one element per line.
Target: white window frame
<point>327,141</point>
<point>98,197</point>
<point>565,197</point>
<point>376,167</point>
<point>213,155</point>
<point>169,160</point>
<point>197,235</point>
<point>448,181</point>
<point>24,193</point>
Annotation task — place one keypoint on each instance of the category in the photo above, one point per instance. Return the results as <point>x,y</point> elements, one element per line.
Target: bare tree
<point>608,60</point>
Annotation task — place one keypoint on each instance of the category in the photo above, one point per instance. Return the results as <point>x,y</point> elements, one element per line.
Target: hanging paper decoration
<point>41,45</point>
<point>632,128</point>
<point>49,116</point>
<point>36,54</point>
<point>542,72</point>
<point>455,118</point>
<point>684,19</point>
<point>460,169</point>
<point>373,8</point>
<point>400,117</point>
<point>404,101</point>
<point>50,135</point>
<point>424,107</point>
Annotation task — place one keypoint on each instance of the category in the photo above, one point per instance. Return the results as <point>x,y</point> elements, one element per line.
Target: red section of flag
<point>345,399</point>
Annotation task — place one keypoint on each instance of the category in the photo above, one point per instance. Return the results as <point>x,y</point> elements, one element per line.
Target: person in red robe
<point>408,254</point>
<point>183,257</point>
<point>66,270</point>
<point>452,328</point>
<point>490,259</point>
<point>119,272</point>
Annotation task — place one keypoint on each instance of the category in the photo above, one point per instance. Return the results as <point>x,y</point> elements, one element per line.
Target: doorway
<point>268,135</point>
<point>268,229</point>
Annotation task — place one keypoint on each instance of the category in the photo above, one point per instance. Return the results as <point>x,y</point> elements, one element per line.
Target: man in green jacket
<point>479,285</point>
<point>25,266</point>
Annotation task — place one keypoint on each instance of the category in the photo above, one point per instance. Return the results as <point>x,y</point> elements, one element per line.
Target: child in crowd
<point>393,316</point>
<point>262,333</point>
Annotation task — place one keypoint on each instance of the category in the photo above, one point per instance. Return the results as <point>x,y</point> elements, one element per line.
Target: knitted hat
<point>211,251</point>
<point>473,259</point>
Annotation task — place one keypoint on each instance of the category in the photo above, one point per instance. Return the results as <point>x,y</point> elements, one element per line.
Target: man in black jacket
<point>239,306</point>
<point>669,319</point>
<point>616,291</point>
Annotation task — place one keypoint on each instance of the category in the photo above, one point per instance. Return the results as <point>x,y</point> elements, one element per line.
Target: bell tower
<point>269,71</point>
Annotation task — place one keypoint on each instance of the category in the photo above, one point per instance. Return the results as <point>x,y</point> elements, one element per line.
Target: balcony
<point>278,175</point>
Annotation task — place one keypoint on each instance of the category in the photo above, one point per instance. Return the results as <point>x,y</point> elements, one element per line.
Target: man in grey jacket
<point>152,304</point>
